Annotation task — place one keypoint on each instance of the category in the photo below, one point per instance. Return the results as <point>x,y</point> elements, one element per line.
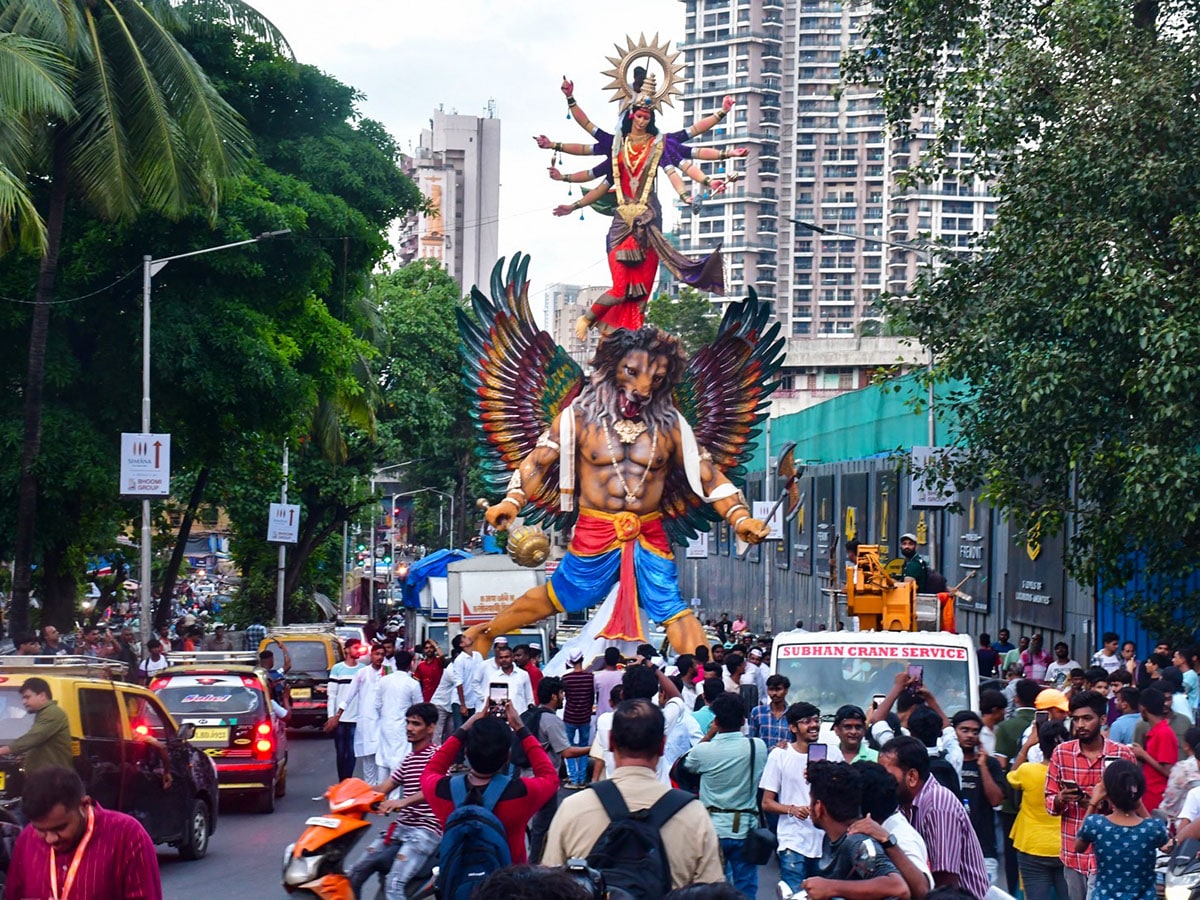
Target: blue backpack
<point>474,844</point>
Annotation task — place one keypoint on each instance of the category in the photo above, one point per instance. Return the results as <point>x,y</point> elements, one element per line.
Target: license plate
<point>216,735</point>
<point>322,821</point>
<point>301,693</point>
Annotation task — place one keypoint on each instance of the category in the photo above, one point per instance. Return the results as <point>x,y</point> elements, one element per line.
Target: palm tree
<point>34,82</point>
<point>147,131</point>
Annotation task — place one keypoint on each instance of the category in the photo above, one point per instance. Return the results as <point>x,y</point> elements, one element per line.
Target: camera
<point>591,879</point>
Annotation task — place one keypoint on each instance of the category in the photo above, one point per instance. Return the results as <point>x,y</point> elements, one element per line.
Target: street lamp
<point>433,491</point>
<point>375,477</point>
<point>150,268</point>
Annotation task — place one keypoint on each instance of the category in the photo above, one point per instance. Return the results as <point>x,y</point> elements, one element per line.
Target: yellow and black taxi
<point>304,654</point>
<point>236,724</point>
<point>127,748</point>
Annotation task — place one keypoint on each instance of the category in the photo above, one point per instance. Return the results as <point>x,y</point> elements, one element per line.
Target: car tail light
<point>264,728</point>
<point>141,729</point>
<point>264,748</point>
<point>159,683</point>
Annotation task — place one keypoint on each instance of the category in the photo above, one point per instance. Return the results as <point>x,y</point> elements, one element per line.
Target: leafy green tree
<point>691,317</point>
<point>147,130</point>
<point>1075,322</point>
<point>252,347</point>
<point>426,414</point>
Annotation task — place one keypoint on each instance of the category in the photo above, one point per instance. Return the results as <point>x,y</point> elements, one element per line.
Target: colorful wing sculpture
<point>520,379</point>
<point>724,396</point>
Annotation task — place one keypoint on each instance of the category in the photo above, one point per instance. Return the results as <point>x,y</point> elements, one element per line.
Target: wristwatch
<point>890,842</point>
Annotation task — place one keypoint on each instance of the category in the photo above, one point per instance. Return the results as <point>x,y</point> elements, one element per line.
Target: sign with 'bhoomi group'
<point>145,465</point>
<point>283,527</point>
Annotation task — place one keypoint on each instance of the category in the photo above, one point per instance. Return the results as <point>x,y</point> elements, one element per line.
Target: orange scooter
<point>315,867</point>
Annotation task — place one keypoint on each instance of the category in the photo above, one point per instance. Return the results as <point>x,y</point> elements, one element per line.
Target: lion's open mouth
<point>630,408</point>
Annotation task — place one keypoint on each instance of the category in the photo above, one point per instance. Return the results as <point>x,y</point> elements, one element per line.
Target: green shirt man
<point>48,741</point>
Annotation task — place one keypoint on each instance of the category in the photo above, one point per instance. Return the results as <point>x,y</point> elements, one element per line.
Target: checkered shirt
<point>1069,764</point>
<point>766,726</point>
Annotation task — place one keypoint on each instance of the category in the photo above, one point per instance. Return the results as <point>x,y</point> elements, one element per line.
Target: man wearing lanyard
<point>72,849</point>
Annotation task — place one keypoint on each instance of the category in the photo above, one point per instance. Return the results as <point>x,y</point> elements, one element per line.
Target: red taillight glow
<point>158,684</point>
<point>264,746</point>
<point>264,728</point>
<point>143,730</point>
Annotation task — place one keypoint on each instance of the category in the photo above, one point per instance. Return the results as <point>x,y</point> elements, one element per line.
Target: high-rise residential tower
<point>819,153</point>
<point>457,167</point>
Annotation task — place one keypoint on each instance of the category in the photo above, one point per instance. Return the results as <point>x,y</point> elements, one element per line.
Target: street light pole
<point>433,491</point>
<point>150,268</point>
<point>279,591</point>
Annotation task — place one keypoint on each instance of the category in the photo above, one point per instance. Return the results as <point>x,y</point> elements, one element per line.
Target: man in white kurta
<point>397,692</point>
<point>362,693</point>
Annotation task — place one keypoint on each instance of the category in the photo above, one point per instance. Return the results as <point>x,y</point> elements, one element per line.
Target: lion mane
<point>600,396</point>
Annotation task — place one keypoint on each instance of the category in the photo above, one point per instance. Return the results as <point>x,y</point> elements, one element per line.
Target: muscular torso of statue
<point>603,485</point>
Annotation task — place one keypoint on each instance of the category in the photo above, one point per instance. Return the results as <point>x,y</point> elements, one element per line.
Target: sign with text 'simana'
<point>283,526</point>
<point>145,465</point>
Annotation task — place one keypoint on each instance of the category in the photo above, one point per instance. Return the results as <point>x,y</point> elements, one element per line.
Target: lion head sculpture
<point>633,376</point>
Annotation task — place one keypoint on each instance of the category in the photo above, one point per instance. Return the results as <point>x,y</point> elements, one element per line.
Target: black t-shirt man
<point>983,817</point>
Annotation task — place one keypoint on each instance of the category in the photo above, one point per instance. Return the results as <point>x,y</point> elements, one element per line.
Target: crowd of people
<point>1062,783</point>
<point>685,779</point>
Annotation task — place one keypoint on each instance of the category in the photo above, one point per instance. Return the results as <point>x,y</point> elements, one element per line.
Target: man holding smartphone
<point>516,679</point>
<point>1076,768</point>
<point>785,793</point>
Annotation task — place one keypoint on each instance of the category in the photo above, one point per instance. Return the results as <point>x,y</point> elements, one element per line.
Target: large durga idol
<point>628,169</point>
<point>636,455</point>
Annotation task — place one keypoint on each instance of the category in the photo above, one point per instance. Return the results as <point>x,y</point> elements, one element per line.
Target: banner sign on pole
<point>761,509</point>
<point>697,548</point>
<point>924,493</point>
<point>145,465</point>
<point>284,524</point>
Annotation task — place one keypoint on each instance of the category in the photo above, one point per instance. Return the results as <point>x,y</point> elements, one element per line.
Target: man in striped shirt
<point>955,857</point>
<point>72,848</point>
<point>413,838</point>
<point>579,688</point>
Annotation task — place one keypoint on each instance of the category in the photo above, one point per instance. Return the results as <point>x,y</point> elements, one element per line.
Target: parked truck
<point>454,592</point>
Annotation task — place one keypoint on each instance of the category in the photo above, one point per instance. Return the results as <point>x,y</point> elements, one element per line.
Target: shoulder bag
<point>760,841</point>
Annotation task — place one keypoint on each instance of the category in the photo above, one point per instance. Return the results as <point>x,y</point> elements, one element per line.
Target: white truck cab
<point>832,668</point>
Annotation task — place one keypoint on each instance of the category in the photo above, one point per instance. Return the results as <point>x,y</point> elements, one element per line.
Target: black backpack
<point>630,852</point>
<point>474,844</point>
<point>531,718</point>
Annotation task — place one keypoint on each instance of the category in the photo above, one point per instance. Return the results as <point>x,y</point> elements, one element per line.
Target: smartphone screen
<point>817,752</point>
<point>878,699</point>
<point>1042,716</point>
<point>1069,785</point>
<point>917,673</point>
<point>498,692</point>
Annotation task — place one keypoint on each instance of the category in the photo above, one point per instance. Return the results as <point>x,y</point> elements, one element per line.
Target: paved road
<point>246,854</point>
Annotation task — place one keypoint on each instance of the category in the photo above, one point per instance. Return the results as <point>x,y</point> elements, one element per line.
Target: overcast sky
<point>408,58</point>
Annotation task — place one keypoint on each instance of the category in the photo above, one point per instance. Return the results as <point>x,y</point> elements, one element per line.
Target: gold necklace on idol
<point>631,496</point>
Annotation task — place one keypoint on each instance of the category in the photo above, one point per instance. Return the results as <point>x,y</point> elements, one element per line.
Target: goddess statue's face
<point>640,376</point>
